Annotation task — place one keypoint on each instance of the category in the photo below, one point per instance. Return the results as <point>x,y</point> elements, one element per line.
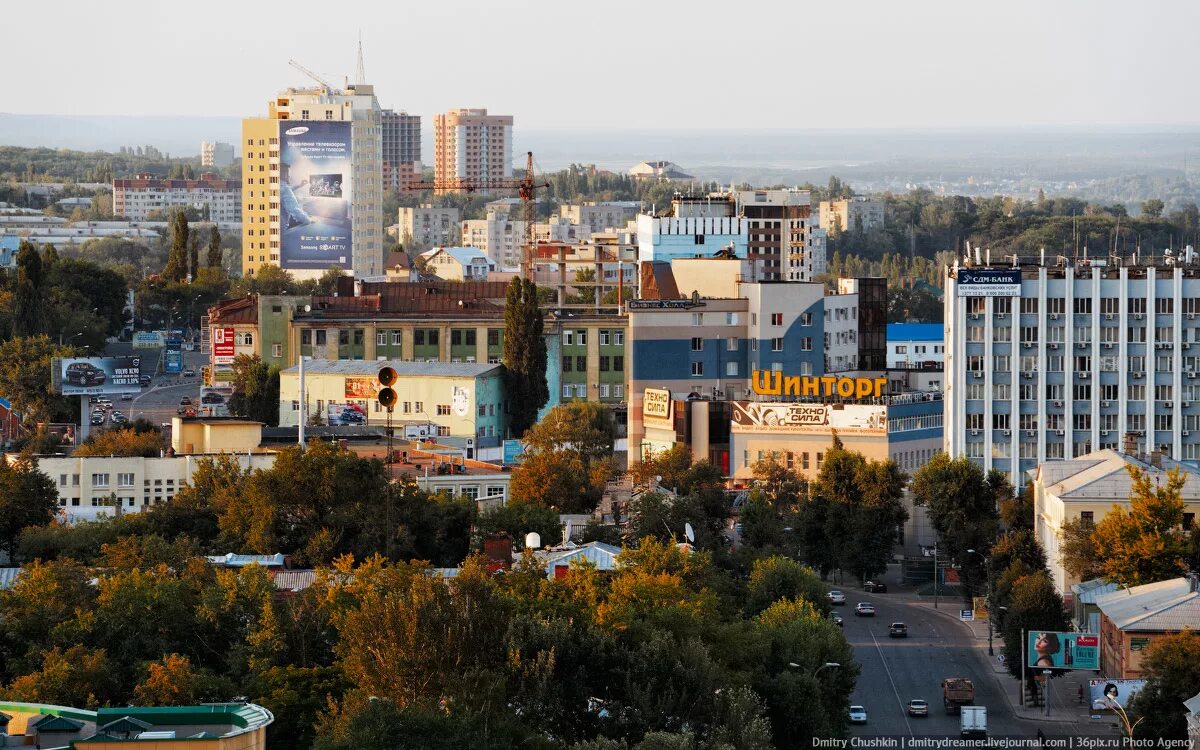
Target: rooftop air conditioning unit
<point>1053,316</point>
<point>1062,432</point>
<point>1108,316</point>
<point>1137,316</point>
<point>1008,433</point>
<point>1058,404</point>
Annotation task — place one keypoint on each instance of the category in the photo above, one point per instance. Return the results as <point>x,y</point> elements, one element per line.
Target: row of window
<point>1083,305</point>
<point>1110,392</point>
<point>605,390</point>
<point>101,479</point>
<point>1083,334</point>
<point>732,342</point>
<point>1082,422</point>
<point>607,337</point>
<point>104,501</point>
<point>607,364</point>
<point>919,349</point>
<point>1032,364</point>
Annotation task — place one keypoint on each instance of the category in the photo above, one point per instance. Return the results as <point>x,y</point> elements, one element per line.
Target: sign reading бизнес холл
<point>989,282</point>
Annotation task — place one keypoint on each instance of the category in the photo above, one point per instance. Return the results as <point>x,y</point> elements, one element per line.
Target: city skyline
<point>939,66</point>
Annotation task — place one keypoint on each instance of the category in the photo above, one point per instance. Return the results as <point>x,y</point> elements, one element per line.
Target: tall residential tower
<point>471,145</point>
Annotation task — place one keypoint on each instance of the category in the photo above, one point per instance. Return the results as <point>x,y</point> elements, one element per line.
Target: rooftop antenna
<point>360,75</point>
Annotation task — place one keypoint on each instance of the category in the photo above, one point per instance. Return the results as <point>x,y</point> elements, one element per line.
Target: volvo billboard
<point>86,376</point>
<point>315,194</point>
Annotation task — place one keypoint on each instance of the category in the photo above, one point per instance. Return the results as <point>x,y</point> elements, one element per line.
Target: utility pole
<point>935,575</point>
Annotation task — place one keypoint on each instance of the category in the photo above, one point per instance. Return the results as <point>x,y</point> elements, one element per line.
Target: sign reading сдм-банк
<point>989,282</point>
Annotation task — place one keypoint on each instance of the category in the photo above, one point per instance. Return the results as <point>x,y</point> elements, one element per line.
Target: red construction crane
<point>526,188</point>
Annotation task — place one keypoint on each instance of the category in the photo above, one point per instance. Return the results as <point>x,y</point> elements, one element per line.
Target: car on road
<point>96,420</point>
<point>864,609</point>
<point>876,587</point>
<point>84,374</point>
<point>126,396</point>
<point>189,372</point>
<point>836,597</point>
<point>897,630</point>
<point>118,418</point>
<point>837,620</point>
<point>917,707</point>
<point>185,401</point>
<point>144,381</point>
<point>104,402</point>
<point>858,715</point>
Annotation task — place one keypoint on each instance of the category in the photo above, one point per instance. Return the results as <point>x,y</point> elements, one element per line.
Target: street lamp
<point>988,566</point>
<point>826,665</point>
<point>72,338</point>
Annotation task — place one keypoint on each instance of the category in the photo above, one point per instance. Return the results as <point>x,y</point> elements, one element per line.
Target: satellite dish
<point>687,532</point>
<point>533,540</point>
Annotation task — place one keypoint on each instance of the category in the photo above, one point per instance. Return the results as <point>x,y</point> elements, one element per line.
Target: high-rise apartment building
<point>498,236</point>
<point>216,155</point>
<point>137,198</point>
<point>1051,362</point>
<point>429,226</point>
<point>472,146</point>
<point>401,149</point>
<point>312,183</point>
<point>858,214</point>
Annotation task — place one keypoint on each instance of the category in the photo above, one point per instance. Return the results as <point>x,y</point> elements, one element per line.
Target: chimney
<point>1129,444</point>
<point>1193,579</point>
<point>1156,459</point>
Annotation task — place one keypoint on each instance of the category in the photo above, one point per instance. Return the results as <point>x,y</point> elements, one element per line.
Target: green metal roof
<point>239,715</point>
<point>56,724</point>
<point>126,725</point>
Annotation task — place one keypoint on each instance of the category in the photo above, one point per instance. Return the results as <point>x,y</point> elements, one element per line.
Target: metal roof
<point>603,556</point>
<point>1103,476</point>
<point>370,368</point>
<point>294,580</point>
<point>915,332</point>
<point>231,560</point>
<point>1088,591</point>
<point>1164,606</point>
<point>8,577</point>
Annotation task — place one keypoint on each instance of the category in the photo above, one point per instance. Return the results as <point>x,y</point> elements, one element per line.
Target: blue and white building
<point>1052,362</point>
<point>915,345</point>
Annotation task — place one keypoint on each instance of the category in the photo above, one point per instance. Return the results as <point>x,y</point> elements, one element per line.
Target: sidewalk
<point>1065,707</point>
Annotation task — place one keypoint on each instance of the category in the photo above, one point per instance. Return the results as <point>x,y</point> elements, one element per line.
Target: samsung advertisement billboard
<point>315,193</point>
<point>989,282</point>
<point>96,375</point>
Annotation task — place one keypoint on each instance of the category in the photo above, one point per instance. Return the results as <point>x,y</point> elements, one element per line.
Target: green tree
<point>1147,543</point>
<point>1077,547</point>
<point>214,248</point>
<point>776,578</point>
<point>255,390</point>
<point>126,441</point>
<point>1034,605</point>
<point>77,676</point>
<point>1171,667</point>
<point>567,459</point>
<point>177,260</point>
<point>961,502</point>
<point>524,355</point>
<point>516,519</point>
<point>585,427</point>
<point>27,299</point>
<point>27,498</point>
<point>193,254</point>
<point>1152,209</point>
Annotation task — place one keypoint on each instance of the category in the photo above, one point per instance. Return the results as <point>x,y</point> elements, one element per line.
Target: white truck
<point>974,722</point>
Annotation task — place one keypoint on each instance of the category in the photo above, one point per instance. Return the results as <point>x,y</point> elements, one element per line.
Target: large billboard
<point>173,356</point>
<point>147,340</point>
<point>346,414</point>
<point>989,282</point>
<point>93,375</point>
<point>315,194</point>
<point>1105,693</point>
<point>1057,650</point>
<point>367,388</point>
<point>223,349</point>
<point>754,416</point>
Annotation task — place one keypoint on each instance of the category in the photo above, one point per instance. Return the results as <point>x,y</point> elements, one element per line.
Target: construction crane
<point>311,74</point>
<point>526,188</point>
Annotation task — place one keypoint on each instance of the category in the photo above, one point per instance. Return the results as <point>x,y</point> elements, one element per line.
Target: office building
<point>856,214</point>
<point>426,226</point>
<point>312,179</point>
<point>470,146</point>
<point>1052,362</point>
<point>1087,489</point>
<point>143,196</point>
<point>401,149</point>
<point>915,345</point>
<point>216,155</point>
<point>770,228</point>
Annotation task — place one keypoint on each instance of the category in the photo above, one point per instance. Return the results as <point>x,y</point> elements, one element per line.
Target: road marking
<point>895,691</point>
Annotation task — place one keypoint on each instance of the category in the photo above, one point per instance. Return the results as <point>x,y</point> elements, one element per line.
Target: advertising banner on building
<point>754,416</point>
<point>367,388</point>
<point>96,375</point>
<point>173,356</point>
<point>223,346</point>
<point>214,400</point>
<point>1054,650</point>
<point>512,452</point>
<point>147,340</point>
<point>989,282</point>
<point>1105,693</point>
<point>346,414</point>
<point>64,432</point>
<point>656,405</point>
<point>460,401</point>
<point>315,194</point>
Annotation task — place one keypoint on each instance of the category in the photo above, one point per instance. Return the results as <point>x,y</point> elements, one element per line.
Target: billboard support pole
<point>85,420</point>
<point>1024,658</point>
<point>303,406</point>
<point>1046,674</point>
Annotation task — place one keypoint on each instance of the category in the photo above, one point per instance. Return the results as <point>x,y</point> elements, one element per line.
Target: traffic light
<point>387,395</point>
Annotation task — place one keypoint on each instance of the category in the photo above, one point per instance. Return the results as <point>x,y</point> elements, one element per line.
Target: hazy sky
<point>625,64</point>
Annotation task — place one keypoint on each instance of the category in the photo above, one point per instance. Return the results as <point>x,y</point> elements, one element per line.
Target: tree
<point>524,355</point>
<point>567,459</point>
<point>127,441</point>
<point>1017,512</point>
<point>255,390</point>
<point>1078,551</point>
<point>516,519</point>
<point>1171,666</point>
<point>27,300</point>
<point>214,248</point>
<point>172,681</point>
<point>776,578</point>
<point>27,498</point>
<point>962,506</point>
<point>1152,209</point>
<point>193,254</point>
<point>78,677</point>
<point>1034,605</point>
<point>584,427</point>
<point>1147,543</point>
<point>177,260</point>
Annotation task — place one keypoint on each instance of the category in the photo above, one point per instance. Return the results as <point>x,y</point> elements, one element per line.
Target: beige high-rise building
<point>471,146</point>
<point>312,188</point>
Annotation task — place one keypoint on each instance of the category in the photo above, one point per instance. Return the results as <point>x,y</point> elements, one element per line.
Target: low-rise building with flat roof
<point>211,726</point>
<point>1133,618</point>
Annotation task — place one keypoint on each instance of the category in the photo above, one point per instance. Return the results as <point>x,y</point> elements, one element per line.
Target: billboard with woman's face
<point>1106,693</point>
<point>1057,650</point>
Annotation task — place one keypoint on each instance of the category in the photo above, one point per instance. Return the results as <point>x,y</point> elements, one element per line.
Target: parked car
<point>864,609</point>
<point>897,630</point>
<point>836,597</point>
<point>144,380</point>
<point>858,715</point>
<point>84,374</point>
<point>918,707</point>
<point>876,587</point>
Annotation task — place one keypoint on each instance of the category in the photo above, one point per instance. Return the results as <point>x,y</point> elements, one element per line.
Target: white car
<point>858,715</point>
<point>836,597</point>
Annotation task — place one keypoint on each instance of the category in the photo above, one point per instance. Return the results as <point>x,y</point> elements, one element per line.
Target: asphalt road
<point>895,670</point>
<point>158,403</point>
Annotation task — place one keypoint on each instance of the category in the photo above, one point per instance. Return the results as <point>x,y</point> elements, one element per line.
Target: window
<point>381,338</point>
<point>100,480</point>
<point>776,319</point>
<point>125,479</point>
<point>1164,363</point>
<point>1083,334</point>
<point>806,344</point>
<point>443,410</point>
<point>1137,392</point>
<point>581,364</point>
<point>419,407</point>
<point>1002,305</point>
<point>902,350</point>
<point>1083,362</point>
<point>1054,421</point>
<point>396,338</point>
<point>619,364</point>
<point>319,338</point>
<point>1137,335</point>
<point>697,369</point>
<point>1002,391</point>
<point>697,344</point>
<point>731,369</point>
<point>1162,421</point>
<point>1136,422</point>
<point>975,362</point>
<point>975,391</point>
<point>1054,450</point>
<point>1082,421</point>
<point>731,318</point>
<point>1001,421</point>
<point>1164,334</point>
<point>776,345</point>
<point>697,319</point>
<point>1029,334</point>
<point>604,337</point>
<point>618,338</point>
<point>1162,392</point>
<point>1028,392</point>
<point>1002,362</point>
<point>568,338</point>
<point>566,363</point>
<point>1082,392</point>
<point>806,319</point>
<point>277,350</point>
<point>1054,363</point>
<point>1083,305</point>
<point>1137,363</point>
<point>1164,306</point>
<point>1029,305</point>
<point>975,334</point>
<point>580,338</point>
<point>1002,334</point>
<point>605,363</point>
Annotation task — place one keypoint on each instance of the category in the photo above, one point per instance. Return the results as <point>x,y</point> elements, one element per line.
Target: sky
<point>626,64</point>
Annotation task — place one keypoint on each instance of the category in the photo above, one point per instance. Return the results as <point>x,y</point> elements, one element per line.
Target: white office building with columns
<point>1049,361</point>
